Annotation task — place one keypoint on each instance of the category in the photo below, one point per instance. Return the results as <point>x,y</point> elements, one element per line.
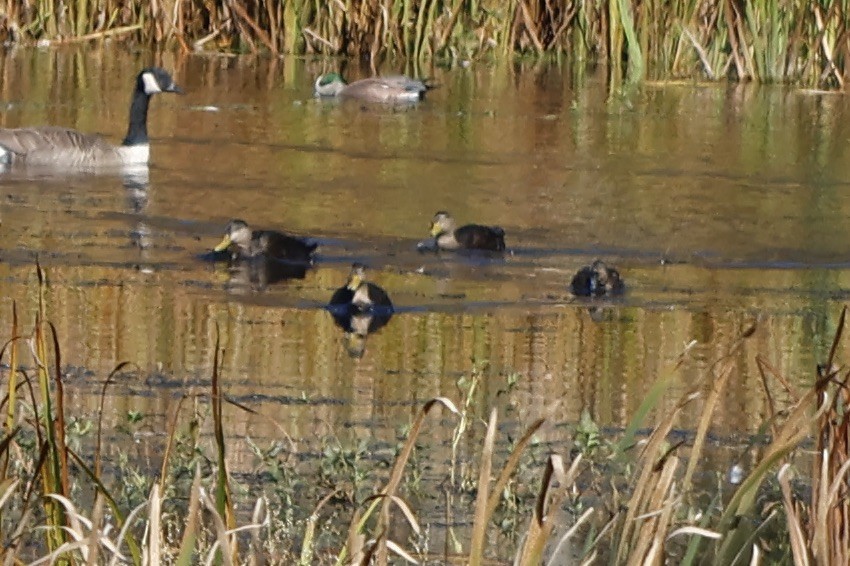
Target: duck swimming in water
<point>359,308</point>
<point>447,236</point>
<point>243,243</point>
<point>596,280</point>
<point>397,88</point>
<point>360,295</point>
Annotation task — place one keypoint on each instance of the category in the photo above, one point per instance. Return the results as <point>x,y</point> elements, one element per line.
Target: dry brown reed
<point>654,508</point>
<point>798,41</point>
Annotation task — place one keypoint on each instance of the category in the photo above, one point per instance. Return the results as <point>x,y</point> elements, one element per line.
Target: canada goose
<point>62,147</point>
<point>246,243</point>
<point>596,280</point>
<point>359,295</point>
<point>396,88</point>
<point>446,236</point>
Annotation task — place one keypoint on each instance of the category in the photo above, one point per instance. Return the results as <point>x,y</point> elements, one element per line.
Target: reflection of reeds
<point>645,514</point>
<point>764,40</point>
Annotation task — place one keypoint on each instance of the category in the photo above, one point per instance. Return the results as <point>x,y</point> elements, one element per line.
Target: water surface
<point>722,206</point>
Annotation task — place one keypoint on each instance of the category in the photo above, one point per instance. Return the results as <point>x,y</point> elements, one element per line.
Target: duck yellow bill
<point>354,282</point>
<point>434,229</point>
<point>225,243</point>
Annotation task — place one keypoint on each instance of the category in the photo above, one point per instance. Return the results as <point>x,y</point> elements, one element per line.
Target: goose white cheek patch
<point>151,84</point>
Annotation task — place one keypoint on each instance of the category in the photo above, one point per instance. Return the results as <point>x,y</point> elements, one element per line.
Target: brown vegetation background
<point>800,41</point>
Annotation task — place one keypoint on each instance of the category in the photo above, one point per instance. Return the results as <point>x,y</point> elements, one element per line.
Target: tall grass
<point>802,41</point>
<point>647,514</point>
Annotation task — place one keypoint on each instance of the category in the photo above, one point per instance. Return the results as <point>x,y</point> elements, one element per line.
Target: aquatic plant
<point>797,41</point>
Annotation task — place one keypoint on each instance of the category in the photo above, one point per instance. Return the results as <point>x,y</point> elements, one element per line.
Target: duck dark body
<point>596,280</point>
<point>344,297</point>
<point>281,246</point>
<point>478,237</point>
<point>243,243</point>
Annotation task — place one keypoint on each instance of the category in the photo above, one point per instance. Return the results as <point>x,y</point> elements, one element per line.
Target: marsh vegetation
<point>630,498</point>
<point>766,40</point>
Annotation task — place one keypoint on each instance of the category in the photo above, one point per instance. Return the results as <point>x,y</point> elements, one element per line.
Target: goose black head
<point>153,80</point>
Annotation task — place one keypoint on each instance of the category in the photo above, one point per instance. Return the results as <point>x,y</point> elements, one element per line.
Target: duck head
<point>356,277</point>
<point>443,223</point>
<point>329,84</point>
<point>237,233</point>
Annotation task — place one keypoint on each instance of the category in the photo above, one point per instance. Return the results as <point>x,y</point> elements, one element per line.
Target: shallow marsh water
<point>721,205</point>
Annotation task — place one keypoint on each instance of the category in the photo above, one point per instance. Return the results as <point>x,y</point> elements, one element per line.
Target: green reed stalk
<point>223,499</point>
<point>635,68</point>
<point>52,471</point>
<point>13,378</point>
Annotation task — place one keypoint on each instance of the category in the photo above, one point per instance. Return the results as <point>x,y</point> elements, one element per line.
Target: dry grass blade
<point>293,446</point>
<point>60,553</point>
<point>222,539</point>
<point>96,535</point>
<point>642,496</point>
<point>132,544</point>
<point>707,533</point>
<point>650,400</point>
<point>260,516</point>
<point>310,530</point>
<point>12,391</point>
<point>830,507</point>
<point>408,514</point>
<point>59,417</point>
<point>190,534</point>
<point>398,470</point>
<point>718,386</point>
<point>481,518</point>
<point>76,520</point>
<point>654,524</point>
<point>837,339</point>
<point>510,466</point>
<point>123,535</point>
<point>154,526</point>
<point>355,543</point>
<point>7,488</point>
<point>171,432</point>
<point>52,473</point>
<point>556,554</point>
<point>799,546</point>
<point>737,534</point>
<point>548,501</point>
<point>109,378</point>
<point>400,551</point>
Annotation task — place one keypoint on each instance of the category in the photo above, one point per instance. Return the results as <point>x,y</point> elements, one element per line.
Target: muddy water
<point>722,206</point>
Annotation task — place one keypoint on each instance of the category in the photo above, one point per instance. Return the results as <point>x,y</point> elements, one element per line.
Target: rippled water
<point>721,205</point>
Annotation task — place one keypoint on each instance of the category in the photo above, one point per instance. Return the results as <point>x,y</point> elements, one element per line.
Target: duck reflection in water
<point>257,273</point>
<point>596,280</point>
<point>360,308</point>
<point>259,258</point>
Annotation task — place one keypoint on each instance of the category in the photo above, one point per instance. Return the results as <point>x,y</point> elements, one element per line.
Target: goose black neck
<point>137,131</point>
